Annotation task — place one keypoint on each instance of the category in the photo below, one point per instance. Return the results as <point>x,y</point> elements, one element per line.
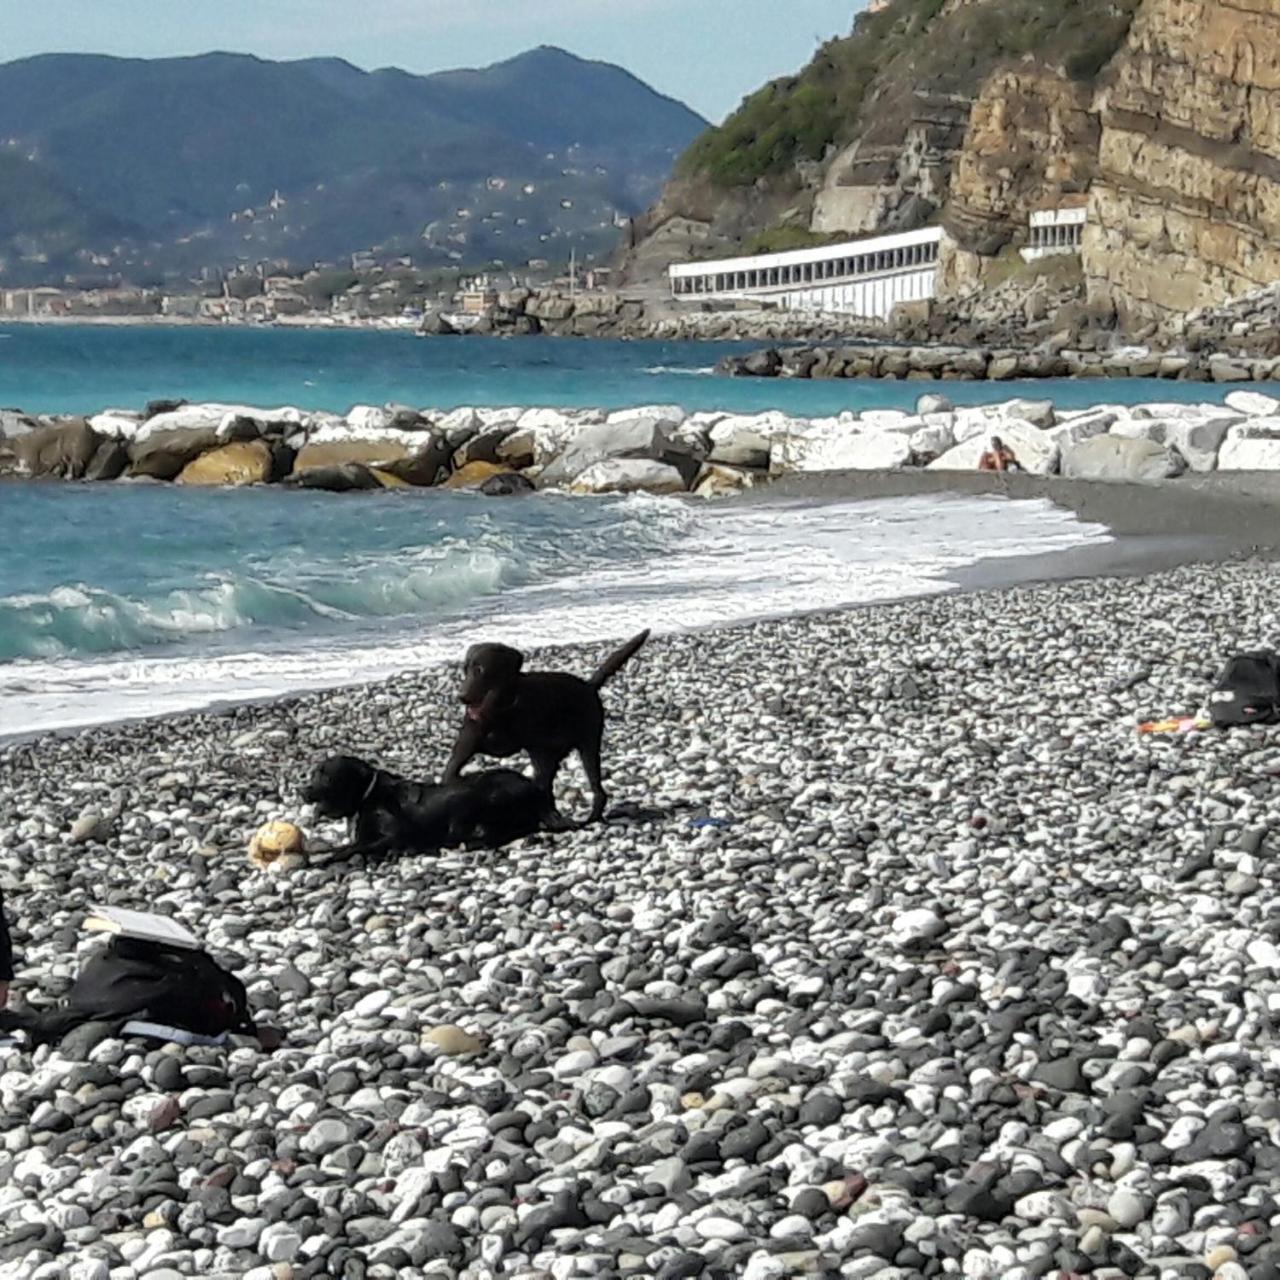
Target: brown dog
<point>546,713</point>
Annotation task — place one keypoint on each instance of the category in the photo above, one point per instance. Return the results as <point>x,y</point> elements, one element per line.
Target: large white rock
<point>1254,404</point>
<point>920,924</point>
<point>543,419</point>
<point>885,419</point>
<point>840,447</point>
<point>550,431</point>
<point>1255,429</point>
<point>669,416</point>
<point>628,475</point>
<point>931,402</point>
<point>1121,459</point>
<point>119,424</point>
<point>369,417</point>
<point>745,440</point>
<point>1253,445</point>
<point>935,437</point>
<point>1197,439</point>
<point>209,417</point>
<point>1036,450</point>
<point>1175,409</point>
<point>346,433</point>
<point>980,419</point>
<point>622,438</point>
<point>694,433</point>
<point>1082,426</point>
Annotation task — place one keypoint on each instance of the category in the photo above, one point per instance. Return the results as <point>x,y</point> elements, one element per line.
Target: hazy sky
<point>708,53</point>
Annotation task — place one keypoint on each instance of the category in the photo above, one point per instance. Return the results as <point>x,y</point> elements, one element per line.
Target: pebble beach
<point>908,956</point>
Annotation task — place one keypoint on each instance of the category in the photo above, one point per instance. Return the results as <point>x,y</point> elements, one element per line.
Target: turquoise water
<point>131,600</point>
<point>82,369</point>
<point>120,600</point>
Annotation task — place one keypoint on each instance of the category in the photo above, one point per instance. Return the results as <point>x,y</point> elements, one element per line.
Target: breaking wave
<point>79,620</point>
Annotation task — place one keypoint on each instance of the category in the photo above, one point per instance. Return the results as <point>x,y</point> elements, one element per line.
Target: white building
<point>865,278</point>
<point>1056,231</point>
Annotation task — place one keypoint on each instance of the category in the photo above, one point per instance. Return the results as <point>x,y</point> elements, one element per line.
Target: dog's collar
<point>368,791</point>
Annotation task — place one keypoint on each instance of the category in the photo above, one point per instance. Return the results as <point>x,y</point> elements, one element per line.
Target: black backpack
<point>137,978</point>
<point>1248,691</point>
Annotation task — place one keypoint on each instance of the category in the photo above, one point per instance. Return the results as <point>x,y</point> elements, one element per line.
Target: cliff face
<point>1032,138</point>
<point>976,112</point>
<point>1186,208</point>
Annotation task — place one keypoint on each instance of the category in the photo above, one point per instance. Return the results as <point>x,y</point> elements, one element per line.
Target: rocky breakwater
<point>998,364</point>
<point>652,448</point>
<point>604,314</point>
<point>885,977</point>
<point>498,452</point>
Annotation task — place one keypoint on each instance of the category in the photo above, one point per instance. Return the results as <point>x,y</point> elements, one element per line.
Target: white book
<point>140,924</point>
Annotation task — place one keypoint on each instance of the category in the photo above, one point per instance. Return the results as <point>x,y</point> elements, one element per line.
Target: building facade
<point>865,278</point>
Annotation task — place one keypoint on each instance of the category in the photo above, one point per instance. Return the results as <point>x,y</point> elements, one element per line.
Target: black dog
<point>546,713</point>
<point>390,814</point>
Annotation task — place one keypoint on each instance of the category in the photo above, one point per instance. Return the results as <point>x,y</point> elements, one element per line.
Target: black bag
<point>136,978</point>
<point>1248,691</point>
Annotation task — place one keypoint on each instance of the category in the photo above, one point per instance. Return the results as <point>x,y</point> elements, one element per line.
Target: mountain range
<point>146,168</point>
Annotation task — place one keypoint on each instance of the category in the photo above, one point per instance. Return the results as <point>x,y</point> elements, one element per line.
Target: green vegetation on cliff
<point>909,48</point>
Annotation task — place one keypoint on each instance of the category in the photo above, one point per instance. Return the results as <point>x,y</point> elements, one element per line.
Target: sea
<point>119,601</point>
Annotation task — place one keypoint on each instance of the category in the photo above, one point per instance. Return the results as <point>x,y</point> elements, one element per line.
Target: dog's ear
<point>512,662</point>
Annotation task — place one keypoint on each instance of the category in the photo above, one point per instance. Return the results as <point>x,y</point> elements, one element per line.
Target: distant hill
<point>154,166</point>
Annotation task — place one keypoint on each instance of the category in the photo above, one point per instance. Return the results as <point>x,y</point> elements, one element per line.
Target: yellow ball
<point>276,840</point>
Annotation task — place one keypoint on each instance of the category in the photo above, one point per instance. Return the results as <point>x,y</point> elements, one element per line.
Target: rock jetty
<point>996,364</point>
<point>885,975</point>
<point>649,448</point>
<point>607,314</point>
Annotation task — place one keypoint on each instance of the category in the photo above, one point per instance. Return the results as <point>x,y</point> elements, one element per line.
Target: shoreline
<point>904,872</point>
<point>1145,537</point>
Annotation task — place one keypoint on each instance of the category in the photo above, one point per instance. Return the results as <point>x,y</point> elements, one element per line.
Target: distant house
<point>475,296</point>
<point>183,306</point>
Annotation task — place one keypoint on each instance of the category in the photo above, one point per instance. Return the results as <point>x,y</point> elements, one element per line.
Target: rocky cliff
<point>1186,207</point>
<point>974,112</point>
<point>961,109</point>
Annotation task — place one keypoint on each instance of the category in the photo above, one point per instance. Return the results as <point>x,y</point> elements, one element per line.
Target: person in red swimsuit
<point>999,457</point>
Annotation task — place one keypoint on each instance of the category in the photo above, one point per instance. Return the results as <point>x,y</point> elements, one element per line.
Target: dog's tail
<point>616,661</point>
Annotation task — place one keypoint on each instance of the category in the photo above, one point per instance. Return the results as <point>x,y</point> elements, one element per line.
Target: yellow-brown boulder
<point>336,453</point>
<point>248,462</point>
<point>474,474</point>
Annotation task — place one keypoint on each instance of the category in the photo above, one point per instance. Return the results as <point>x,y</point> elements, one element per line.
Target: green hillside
<point>862,85</point>
<point>226,157</point>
